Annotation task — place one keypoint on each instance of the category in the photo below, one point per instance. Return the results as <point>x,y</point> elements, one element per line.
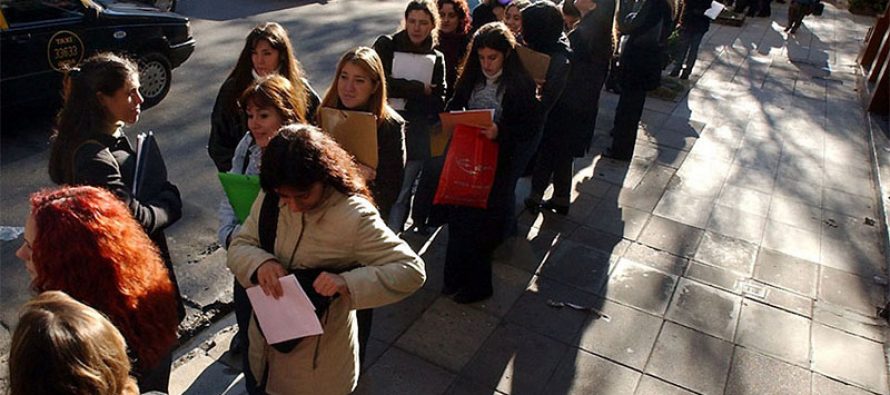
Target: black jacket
<point>421,111</point>
<point>643,54</point>
<point>390,163</point>
<point>228,123</point>
<point>692,18</point>
<point>109,162</point>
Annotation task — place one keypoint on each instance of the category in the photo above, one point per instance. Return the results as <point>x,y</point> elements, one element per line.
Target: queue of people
<point>320,212</point>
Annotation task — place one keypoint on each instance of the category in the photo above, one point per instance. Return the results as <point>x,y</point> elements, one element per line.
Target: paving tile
<point>626,337</point>
<point>756,178</point>
<point>792,241</point>
<point>515,360</point>
<point>585,373</point>
<point>785,271</point>
<point>795,213</point>
<point>658,259</point>
<point>448,334</point>
<point>825,386</point>
<point>705,308</point>
<point>850,291</point>
<point>671,236</point>
<point>645,195</point>
<point>774,332</point>
<point>463,386</point>
<point>606,242</point>
<point>691,359</point>
<point>850,244</point>
<point>391,321</point>
<point>745,199</point>
<point>527,250</point>
<point>531,310</point>
<point>716,277</point>
<point>795,189</point>
<point>848,203</point>
<point>621,221</point>
<point>685,209</point>
<point>578,265</point>
<point>398,372</point>
<point>700,177</point>
<point>727,252</point>
<point>736,223</point>
<point>849,358</point>
<point>640,286</point>
<point>757,374</point>
<point>777,297</point>
<point>871,328</point>
<point>666,156</point>
<point>652,386</point>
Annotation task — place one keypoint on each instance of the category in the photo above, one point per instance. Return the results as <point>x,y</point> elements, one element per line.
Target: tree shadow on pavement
<point>223,10</point>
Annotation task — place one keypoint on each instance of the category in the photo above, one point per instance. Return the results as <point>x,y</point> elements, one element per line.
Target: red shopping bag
<point>469,169</point>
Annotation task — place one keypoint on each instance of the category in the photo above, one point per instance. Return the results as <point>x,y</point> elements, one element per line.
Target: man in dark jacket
<point>693,26</point>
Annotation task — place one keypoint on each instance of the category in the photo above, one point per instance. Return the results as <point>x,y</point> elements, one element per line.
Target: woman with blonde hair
<point>84,241</point>
<point>267,50</point>
<point>62,346</point>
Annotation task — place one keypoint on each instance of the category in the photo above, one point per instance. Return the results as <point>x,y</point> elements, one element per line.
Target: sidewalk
<point>740,252</point>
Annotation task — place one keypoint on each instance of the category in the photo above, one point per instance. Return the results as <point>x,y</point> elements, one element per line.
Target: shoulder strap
<point>268,222</point>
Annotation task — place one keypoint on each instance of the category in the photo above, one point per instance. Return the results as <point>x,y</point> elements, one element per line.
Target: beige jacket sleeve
<point>245,254</point>
<point>390,269</point>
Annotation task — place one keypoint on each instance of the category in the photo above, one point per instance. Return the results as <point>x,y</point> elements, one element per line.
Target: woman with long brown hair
<point>267,50</point>
<point>325,223</point>
<point>84,241</point>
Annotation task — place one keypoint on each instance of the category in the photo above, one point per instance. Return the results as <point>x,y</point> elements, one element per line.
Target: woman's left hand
<point>490,132</point>
<point>328,284</point>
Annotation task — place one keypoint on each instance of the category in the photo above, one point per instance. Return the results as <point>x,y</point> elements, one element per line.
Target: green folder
<point>241,190</point>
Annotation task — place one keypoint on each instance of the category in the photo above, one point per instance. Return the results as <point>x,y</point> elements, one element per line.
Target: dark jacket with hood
<point>421,111</point>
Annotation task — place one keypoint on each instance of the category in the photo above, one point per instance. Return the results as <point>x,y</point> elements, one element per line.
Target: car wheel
<point>155,76</point>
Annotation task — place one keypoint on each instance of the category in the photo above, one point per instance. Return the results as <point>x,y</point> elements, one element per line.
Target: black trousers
<point>157,378</point>
<point>423,213</point>
<point>627,120</point>
<point>687,52</point>
<point>553,163</point>
<point>473,235</point>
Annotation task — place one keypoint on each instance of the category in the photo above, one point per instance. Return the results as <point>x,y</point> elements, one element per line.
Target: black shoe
<point>556,208</point>
<point>674,73</point>
<point>612,155</point>
<point>684,76</point>
<point>466,297</point>
<point>533,205</point>
<point>448,291</point>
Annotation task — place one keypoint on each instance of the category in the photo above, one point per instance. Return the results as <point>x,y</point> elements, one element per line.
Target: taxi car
<point>39,39</point>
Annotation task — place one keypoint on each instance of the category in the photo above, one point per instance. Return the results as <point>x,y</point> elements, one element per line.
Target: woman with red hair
<point>84,241</point>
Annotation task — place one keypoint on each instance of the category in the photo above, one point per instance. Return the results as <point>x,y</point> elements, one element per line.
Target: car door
<point>39,40</point>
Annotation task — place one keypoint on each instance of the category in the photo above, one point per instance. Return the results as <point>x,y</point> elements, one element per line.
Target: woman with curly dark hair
<point>267,50</point>
<point>83,241</point>
<point>326,224</point>
<point>454,29</point>
<point>61,346</point>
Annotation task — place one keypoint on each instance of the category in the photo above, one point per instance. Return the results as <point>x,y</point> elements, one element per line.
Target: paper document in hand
<point>715,10</point>
<point>291,316</point>
<point>478,118</point>
<point>355,131</point>
<point>241,190</point>
<point>413,67</point>
<point>535,63</point>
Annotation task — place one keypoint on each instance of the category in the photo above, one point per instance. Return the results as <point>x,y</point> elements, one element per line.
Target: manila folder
<point>535,63</point>
<point>291,316</point>
<point>439,139</point>
<point>355,131</point>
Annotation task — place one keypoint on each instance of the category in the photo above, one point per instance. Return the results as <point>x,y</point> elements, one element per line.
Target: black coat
<point>643,54</point>
<point>519,122</point>
<point>109,162</point>
<point>571,123</point>
<point>693,19</point>
<point>421,110</point>
<point>228,123</point>
<point>390,164</point>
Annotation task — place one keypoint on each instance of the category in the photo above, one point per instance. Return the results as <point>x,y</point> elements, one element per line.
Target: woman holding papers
<point>90,147</point>
<point>492,78</point>
<point>415,82</point>
<point>84,241</point>
<point>269,103</point>
<point>570,124</point>
<point>267,50</point>
<point>326,221</point>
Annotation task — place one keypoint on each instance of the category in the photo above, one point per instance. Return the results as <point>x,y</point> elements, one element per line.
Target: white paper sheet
<point>291,316</point>
<point>715,10</point>
<point>413,67</point>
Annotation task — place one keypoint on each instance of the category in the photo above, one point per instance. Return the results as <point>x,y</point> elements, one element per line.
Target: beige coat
<point>342,232</point>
